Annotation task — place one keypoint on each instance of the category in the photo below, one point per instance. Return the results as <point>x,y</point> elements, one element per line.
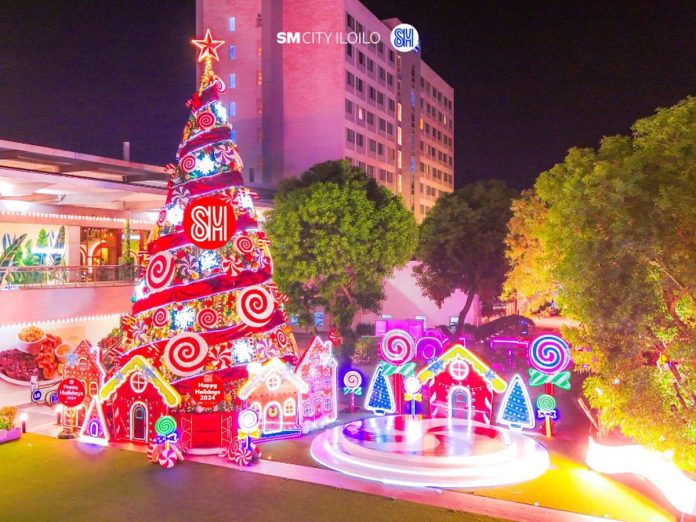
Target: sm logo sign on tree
<point>209,222</point>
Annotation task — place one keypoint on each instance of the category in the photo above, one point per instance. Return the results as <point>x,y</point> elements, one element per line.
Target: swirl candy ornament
<point>352,380</point>
<point>545,403</point>
<point>167,458</point>
<point>185,354</point>
<point>244,244</point>
<point>160,271</point>
<point>281,338</point>
<point>255,306</point>
<point>549,354</point>
<point>160,317</point>
<point>165,425</point>
<point>205,120</point>
<point>219,84</point>
<point>397,347</point>
<point>207,318</point>
<point>188,163</point>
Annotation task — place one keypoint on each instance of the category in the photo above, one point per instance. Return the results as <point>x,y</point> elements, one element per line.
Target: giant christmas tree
<point>200,311</point>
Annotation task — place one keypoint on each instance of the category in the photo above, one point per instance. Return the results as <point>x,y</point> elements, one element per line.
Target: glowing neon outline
<point>378,370</point>
<point>532,421</point>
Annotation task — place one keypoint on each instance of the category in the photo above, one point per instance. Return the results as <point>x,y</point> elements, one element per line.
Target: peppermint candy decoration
<point>160,317</point>
<point>188,265</point>
<point>244,244</point>
<point>139,331</point>
<point>255,306</point>
<point>185,354</point>
<point>207,318</point>
<point>352,380</point>
<point>181,196</point>
<point>162,217</point>
<point>549,354</point>
<point>205,120</point>
<point>167,458</point>
<point>281,338</point>
<point>232,265</point>
<point>225,154</point>
<point>188,163</point>
<point>240,454</point>
<point>160,271</point>
<point>397,347</point>
<point>220,357</point>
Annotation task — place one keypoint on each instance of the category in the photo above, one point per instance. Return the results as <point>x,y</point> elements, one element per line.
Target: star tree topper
<point>207,47</point>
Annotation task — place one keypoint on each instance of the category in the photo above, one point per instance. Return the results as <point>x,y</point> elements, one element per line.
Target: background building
<point>297,104</point>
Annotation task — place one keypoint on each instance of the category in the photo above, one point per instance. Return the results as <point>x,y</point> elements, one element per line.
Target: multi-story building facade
<point>342,91</point>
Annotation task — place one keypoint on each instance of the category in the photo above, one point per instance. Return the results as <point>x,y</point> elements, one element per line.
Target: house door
<point>139,422</point>
<point>460,403</point>
<point>272,417</point>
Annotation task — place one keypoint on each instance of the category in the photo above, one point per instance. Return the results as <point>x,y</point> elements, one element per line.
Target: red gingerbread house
<point>137,396</point>
<point>317,368</point>
<point>83,364</point>
<point>274,391</point>
<point>458,384</point>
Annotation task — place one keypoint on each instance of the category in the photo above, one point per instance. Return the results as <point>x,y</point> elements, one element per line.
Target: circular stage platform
<point>445,453</point>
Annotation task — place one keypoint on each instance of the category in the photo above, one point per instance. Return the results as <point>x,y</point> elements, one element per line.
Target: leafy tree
<point>336,235</point>
<point>462,245</point>
<point>615,239</point>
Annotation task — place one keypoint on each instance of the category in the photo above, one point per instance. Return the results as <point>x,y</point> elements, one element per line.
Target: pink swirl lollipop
<point>160,317</point>
<point>185,354</point>
<point>160,271</point>
<point>167,458</point>
<point>207,318</point>
<point>188,163</point>
<point>397,347</point>
<point>255,306</point>
<point>549,354</point>
<point>205,120</point>
<point>352,380</point>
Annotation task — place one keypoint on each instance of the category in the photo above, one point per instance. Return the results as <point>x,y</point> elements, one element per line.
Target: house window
<point>328,406</point>
<point>138,382</point>
<point>307,408</point>
<point>231,24</point>
<point>458,369</point>
<point>82,363</point>
<point>273,382</point>
<point>289,407</point>
<point>233,52</point>
<point>93,388</point>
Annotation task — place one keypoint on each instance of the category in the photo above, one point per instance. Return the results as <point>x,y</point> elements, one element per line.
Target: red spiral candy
<point>185,354</point>
<point>207,318</point>
<point>188,163</point>
<point>160,271</point>
<point>160,317</point>
<point>255,306</point>
<point>205,120</point>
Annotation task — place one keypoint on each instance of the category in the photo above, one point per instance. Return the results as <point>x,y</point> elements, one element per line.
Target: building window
<point>391,104</point>
<point>349,49</point>
<point>390,79</point>
<point>382,124</point>
<point>138,382</point>
<point>349,106</point>
<point>370,118</point>
<point>359,139</point>
<point>370,65</point>
<point>251,175</point>
<point>233,135</point>
<point>361,58</point>
<point>382,74</point>
<point>373,146</point>
<point>233,109</point>
<point>350,78</point>
<point>350,21</point>
<point>380,149</point>
<point>231,24</point>
<point>232,81</point>
<point>371,171</point>
<point>359,85</point>
<point>371,93</point>
<point>350,135</point>
<point>391,55</point>
<point>259,78</point>
<point>233,52</point>
<point>361,113</point>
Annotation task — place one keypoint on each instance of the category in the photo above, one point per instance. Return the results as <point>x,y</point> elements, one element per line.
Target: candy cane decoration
<point>185,354</point>
<point>560,379</point>
<point>397,347</point>
<point>549,354</point>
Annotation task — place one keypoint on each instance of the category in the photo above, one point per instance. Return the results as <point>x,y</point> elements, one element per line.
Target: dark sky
<point>531,78</point>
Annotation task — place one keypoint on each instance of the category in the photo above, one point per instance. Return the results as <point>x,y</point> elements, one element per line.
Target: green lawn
<point>49,479</point>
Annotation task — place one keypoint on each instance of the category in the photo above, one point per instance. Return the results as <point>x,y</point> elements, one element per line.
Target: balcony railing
<point>21,277</point>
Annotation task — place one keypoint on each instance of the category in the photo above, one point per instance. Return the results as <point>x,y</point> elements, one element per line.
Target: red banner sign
<point>71,392</point>
<point>208,391</point>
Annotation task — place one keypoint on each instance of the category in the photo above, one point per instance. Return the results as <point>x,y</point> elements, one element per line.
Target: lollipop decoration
<point>255,306</point>
<point>242,451</point>
<point>160,317</point>
<point>546,409</point>
<point>164,449</point>
<point>207,318</point>
<point>412,387</point>
<point>160,271</point>
<point>549,354</point>
<point>352,385</point>
<point>397,347</point>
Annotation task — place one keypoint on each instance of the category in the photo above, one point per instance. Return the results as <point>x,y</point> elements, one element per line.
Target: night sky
<point>531,79</point>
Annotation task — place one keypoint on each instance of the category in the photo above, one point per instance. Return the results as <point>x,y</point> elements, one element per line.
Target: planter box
<point>8,435</point>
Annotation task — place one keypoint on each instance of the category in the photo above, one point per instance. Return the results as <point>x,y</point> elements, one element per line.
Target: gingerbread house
<point>84,364</point>
<point>137,395</point>
<point>458,384</point>
<point>274,391</point>
<point>317,368</point>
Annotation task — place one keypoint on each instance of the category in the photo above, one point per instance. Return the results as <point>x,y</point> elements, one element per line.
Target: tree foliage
<point>336,235</point>
<point>462,244</point>
<point>611,232</point>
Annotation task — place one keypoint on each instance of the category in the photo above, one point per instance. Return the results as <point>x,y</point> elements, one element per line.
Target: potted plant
<point>8,431</point>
